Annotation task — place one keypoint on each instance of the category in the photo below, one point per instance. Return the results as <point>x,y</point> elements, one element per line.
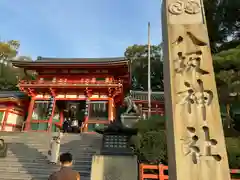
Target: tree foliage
<point>151,147</point>
<point>227,60</point>
<point>138,56</point>
<point>223,21</point>
<point>154,123</point>
<point>8,49</point>
<point>233,146</point>
<point>150,142</point>
<point>227,73</point>
<point>9,75</point>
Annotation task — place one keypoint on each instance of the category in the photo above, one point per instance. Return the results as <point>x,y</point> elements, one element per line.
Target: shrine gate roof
<point>52,62</point>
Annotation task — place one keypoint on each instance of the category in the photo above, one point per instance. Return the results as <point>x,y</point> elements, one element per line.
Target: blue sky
<point>79,28</point>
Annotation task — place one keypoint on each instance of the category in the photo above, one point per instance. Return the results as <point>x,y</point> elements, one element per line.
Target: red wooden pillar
<point>113,109</point>
<point>110,109</point>
<point>29,117</point>
<point>61,118</point>
<point>4,121</point>
<point>141,172</point>
<point>161,169</point>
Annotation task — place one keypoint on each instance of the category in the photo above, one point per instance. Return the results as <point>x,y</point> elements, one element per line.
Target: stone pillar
<point>116,161</point>
<point>196,144</point>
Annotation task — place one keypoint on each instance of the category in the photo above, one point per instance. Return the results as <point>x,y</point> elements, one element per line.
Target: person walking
<point>75,126</point>
<point>66,172</point>
<point>66,126</point>
<point>54,148</point>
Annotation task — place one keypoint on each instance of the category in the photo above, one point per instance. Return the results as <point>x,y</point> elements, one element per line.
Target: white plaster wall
<point>13,119</point>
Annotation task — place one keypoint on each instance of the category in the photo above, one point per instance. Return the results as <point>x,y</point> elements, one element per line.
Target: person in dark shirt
<point>65,125</point>
<point>66,172</point>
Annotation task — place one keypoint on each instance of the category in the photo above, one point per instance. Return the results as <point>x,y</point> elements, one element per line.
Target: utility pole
<point>149,72</point>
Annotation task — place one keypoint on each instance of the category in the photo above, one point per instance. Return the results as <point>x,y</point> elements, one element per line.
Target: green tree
<point>8,79</point>
<point>8,49</point>
<point>150,143</point>
<point>225,85</point>
<point>151,147</point>
<point>227,60</point>
<point>227,73</point>
<point>138,56</point>
<point>223,21</point>
<point>233,146</point>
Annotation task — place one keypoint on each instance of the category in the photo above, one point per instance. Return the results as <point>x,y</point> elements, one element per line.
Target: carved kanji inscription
<point>196,144</point>
<point>190,145</point>
<point>209,143</point>
<point>196,96</point>
<point>189,62</point>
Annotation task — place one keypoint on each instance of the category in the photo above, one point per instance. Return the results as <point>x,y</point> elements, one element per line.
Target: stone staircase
<point>27,154</point>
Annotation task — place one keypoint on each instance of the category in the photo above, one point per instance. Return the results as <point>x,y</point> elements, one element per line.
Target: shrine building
<point>93,86</point>
<point>141,100</point>
<point>13,110</point>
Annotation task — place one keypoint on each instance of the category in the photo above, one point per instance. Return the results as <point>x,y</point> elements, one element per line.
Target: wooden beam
<point>53,91</point>
<point>31,92</point>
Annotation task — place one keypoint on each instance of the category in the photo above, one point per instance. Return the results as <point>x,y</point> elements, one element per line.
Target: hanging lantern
<point>99,107</point>
<point>104,107</point>
<point>50,107</point>
<point>86,108</point>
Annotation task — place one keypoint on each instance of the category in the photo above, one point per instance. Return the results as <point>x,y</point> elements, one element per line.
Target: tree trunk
<point>229,119</point>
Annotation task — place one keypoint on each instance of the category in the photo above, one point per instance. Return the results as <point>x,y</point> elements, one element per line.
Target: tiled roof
<point>143,96</point>
<point>12,94</point>
<point>71,61</point>
<point>80,60</point>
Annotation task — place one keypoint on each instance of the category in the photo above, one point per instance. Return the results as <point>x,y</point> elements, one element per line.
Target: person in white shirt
<point>75,126</point>
<point>54,150</point>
